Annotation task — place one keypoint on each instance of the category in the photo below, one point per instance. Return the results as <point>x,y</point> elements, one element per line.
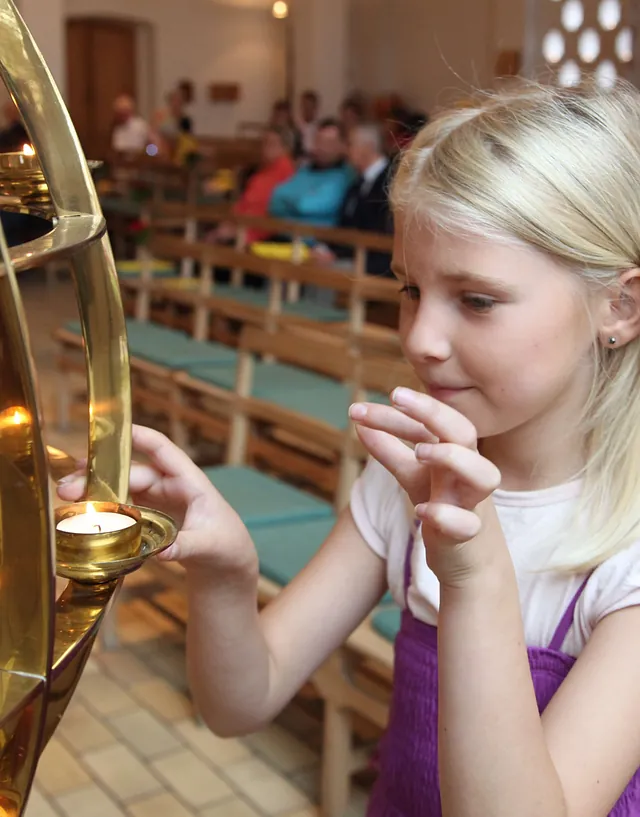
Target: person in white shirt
<point>131,133</point>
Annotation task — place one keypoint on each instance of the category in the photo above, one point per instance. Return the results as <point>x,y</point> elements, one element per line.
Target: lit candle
<point>15,432</point>
<point>95,522</point>
<point>14,417</point>
<point>28,150</point>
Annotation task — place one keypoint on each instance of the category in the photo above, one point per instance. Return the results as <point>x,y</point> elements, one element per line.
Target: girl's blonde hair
<point>557,169</point>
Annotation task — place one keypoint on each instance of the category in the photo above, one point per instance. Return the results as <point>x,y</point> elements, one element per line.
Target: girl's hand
<point>211,535</point>
<point>447,480</point>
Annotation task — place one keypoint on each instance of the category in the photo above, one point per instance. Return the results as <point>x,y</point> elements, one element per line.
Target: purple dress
<point>408,785</point>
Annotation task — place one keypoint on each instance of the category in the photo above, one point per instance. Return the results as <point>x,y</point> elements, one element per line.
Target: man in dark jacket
<point>366,204</point>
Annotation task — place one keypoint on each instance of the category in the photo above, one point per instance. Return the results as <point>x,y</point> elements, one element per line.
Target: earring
<point>612,341</point>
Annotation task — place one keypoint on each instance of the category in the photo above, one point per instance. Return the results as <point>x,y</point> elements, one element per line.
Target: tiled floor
<point>128,744</point>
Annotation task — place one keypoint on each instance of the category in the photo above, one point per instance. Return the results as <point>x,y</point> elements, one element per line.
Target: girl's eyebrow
<point>462,277</point>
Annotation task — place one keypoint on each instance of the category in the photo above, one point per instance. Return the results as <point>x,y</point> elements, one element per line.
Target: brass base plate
<point>158,532</point>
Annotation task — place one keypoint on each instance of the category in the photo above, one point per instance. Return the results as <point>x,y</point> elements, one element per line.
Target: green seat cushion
<point>269,379</point>
<point>315,311</point>
<point>245,295</point>
<point>387,623</point>
<point>132,269</point>
<point>302,308</point>
<point>283,550</point>
<point>296,389</point>
<point>170,347</point>
<point>261,500</point>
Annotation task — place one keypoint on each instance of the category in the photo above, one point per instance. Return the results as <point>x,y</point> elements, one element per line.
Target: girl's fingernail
<point>68,479</point>
<point>357,411</point>
<point>402,396</point>
<point>423,451</point>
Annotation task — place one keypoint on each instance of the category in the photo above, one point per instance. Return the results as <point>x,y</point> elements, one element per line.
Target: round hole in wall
<point>572,15</point>
<point>624,45</point>
<point>606,75</point>
<point>569,74</point>
<point>589,45</point>
<point>609,14</point>
<point>553,46</point>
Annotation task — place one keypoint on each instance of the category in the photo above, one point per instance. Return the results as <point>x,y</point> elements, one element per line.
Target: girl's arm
<point>245,667</point>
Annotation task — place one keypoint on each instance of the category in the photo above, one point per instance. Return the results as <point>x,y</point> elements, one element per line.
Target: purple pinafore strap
<point>408,783</point>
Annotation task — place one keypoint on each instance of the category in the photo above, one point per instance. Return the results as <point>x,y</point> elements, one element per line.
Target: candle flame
<point>28,150</point>
<point>15,416</point>
<point>91,508</point>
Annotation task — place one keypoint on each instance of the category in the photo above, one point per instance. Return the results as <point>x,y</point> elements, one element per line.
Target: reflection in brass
<point>45,643</point>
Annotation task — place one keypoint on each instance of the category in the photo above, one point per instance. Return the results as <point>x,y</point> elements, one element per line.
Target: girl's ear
<point>621,318</point>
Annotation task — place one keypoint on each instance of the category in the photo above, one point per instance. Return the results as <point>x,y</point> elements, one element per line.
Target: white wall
<point>430,51</point>
<point>46,23</point>
<point>207,42</point>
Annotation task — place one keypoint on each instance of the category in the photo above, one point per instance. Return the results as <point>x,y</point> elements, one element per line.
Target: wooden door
<point>101,59</point>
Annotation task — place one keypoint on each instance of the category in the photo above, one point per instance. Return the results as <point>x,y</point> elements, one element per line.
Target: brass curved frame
<point>44,644</point>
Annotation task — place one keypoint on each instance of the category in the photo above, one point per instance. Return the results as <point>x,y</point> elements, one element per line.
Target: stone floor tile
<point>252,769</point>
<point>104,696</point>
<point>215,750</point>
<point>59,771</point>
<point>160,697</point>
<point>192,780</point>
<point>90,801</point>
<point>124,667</point>
<point>81,730</point>
<point>230,808</point>
<point>308,781</point>
<point>282,750</point>
<point>146,735</point>
<point>120,771</point>
<point>39,805</point>
<point>161,805</point>
<point>273,795</point>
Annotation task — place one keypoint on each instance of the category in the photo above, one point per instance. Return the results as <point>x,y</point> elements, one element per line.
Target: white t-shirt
<point>131,137</point>
<point>382,514</point>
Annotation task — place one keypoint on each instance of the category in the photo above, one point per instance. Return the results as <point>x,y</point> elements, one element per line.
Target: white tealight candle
<point>97,522</point>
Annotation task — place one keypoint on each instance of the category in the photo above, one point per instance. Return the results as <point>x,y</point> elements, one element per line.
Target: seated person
<point>276,167</point>
<point>366,205</point>
<point>314,194</point>
<point>130,134</point>
<point>282,118</point>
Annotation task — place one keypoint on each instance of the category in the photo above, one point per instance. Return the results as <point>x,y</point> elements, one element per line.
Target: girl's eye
<point>478,303</point>
<point>412,293</point>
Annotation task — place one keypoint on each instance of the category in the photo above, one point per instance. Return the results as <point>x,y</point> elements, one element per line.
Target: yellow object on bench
<point>276,251</point>
<point>129,269</point>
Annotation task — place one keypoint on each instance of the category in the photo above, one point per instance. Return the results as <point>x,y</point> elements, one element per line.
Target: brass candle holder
<point>98,541</point>
<point>23,187</point>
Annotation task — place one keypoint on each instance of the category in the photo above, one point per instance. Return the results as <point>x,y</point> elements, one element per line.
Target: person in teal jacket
<point>315,193</point>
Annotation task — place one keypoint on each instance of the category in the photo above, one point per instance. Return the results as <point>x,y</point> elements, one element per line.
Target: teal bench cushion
<point>296,389</point>
<point>283,550</point>
<point>170,347</point>
<point>261,500</point>
<point>133,269</point>
<point>315,311</point>
<point>387,623</point>
<point>269,379</point>
<point>302,308</point>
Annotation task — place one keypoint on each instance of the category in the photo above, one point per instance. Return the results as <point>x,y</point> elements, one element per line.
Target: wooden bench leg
<point>336,761</point>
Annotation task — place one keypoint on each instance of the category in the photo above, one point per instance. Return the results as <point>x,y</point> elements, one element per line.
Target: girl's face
<point>500,333</point>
